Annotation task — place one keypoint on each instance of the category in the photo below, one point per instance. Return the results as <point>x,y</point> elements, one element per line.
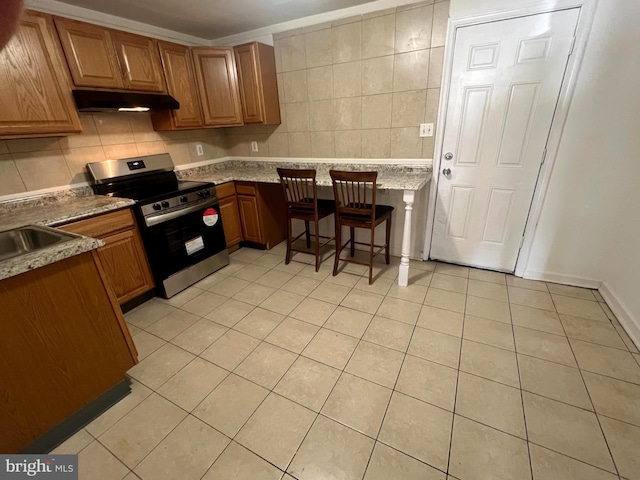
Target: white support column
<point>403,273</point>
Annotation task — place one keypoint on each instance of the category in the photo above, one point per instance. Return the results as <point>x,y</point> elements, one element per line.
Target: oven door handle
<point>152,220</point>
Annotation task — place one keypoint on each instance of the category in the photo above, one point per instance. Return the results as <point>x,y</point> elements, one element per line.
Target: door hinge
<point>544,156</point>
<point>573,42</point>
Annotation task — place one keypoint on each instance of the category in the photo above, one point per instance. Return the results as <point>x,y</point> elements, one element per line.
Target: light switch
<point>426,129</point>
<point>254,146</point>
<point>199,150</point>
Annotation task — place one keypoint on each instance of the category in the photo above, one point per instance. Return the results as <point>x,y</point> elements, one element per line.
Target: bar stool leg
<point>317,245</point>
<point>289,234</point>
<point>307,234</point>
<point>386,253</point>
<point>373,241</point>
<point>352,247</point>
<point>338,247</point>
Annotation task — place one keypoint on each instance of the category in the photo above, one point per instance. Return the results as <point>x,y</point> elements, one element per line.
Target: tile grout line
<point>595,412</point>
<point>524,413</point>
<point>455,396</point>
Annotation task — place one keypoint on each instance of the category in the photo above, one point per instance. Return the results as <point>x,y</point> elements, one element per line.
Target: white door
<point>505,82</point>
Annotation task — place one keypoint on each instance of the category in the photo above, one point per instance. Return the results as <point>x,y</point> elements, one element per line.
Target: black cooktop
<point>150,188</point>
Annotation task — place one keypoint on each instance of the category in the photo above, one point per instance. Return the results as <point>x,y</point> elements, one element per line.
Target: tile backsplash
<point>356,88</point>
<point>352,88</point>
<point>37,163</point>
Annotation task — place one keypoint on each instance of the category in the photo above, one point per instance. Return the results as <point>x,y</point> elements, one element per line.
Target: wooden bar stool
<point>301,201</point>
<point>355,198</point>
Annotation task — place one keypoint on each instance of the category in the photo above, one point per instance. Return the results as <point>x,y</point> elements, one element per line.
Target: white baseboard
<point>622,313</point>
<point>562,278</point>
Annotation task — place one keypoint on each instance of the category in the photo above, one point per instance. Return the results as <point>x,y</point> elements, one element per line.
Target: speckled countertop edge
<point>51,210</point>
<point>391,177</point>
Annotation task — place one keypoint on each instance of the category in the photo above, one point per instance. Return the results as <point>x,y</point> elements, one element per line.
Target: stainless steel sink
<point>23,240</point>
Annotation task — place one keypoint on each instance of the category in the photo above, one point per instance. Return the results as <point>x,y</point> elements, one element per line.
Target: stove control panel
<point>179,202</point>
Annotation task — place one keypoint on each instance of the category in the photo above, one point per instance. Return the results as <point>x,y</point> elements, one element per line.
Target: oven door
<point>175,240</point>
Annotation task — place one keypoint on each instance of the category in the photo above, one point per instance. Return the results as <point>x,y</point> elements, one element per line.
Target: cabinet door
<point>125,264</point>
<point>250,83</point>
<point>90,54</point>
<point>231,220</point>
<point>181,84</point>
<point>35,93</point>
<point>139,62</point>
<point>218,86</point>
<point>249,213</point>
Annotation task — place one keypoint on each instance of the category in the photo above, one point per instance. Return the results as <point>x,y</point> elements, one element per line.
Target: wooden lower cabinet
<point>64,343</point>
<point>231,221</point>
<point>251,227</point>
<point>123,257</point>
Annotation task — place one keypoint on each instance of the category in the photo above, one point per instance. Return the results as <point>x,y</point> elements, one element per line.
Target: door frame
<point>585,20</point>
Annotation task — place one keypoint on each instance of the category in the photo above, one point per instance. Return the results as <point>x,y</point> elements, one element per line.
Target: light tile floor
<point>264,368</point>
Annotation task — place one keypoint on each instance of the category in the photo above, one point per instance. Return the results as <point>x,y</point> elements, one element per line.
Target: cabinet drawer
<point>245,189</point>
<point>225,189</point>
<point>102,225</point>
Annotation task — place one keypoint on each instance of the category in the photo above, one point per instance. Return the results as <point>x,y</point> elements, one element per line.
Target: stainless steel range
<point>179,220</point>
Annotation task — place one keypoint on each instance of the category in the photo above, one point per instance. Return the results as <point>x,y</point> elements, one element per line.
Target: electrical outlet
<point>426,129</point>
<point>254,146</point>
<point>199,149</point>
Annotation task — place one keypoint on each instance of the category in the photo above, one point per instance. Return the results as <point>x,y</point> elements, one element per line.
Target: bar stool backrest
<point>299,188</point>
<point>355,193</point>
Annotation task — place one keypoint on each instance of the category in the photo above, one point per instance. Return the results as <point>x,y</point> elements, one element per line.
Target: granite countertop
<point>52,210</point>
<point>391,177</point>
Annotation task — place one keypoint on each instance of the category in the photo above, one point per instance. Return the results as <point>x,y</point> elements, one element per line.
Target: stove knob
<point>165,204</point>
<point>201,194</point>
<point>207,193</point>
<point>183,199</point>
<point>156,206</point>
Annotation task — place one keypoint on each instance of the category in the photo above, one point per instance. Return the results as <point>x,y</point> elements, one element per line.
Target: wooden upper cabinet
<point>90,54</point>
<point>218,86</point>
<point>181,84</point>
<point>35,92</point>
<point>139,62</point>
<point>258,87</point>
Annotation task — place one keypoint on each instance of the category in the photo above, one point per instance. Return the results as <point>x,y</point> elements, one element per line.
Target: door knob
<point>446,171</point>
<point>448,156</point>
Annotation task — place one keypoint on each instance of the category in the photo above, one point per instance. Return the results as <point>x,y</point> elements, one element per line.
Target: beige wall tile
<point>320,83</point>
<point>23,145</point>
<point>411,6</point>
<point>431,111</point>
<point>345,21</point>
<point>288,33</point>
<point>377,75</point>
<point>42,169</point>
<point>440,18</point>
<point>376,143</point>
<point>408,108</point>
<point>113,128</point>
<point>299,145</point>
<point>318,48</point>
<point>411,70</point>
<point>347,80</point>
<point>278,144</point>
<point>435,67</point>
<point>276,53</point>
<point>378,36</point>
<point>263,145</point>
<point>179,151</point>
<point>316,27</point>
<point>346,42</point>
<point>3,147</point>
<point>238,145</point>
<point>348,113</point>
<point>298,117</point>
<point>142,128</point>
<point>10,180</point>
<point>151,148</point>
<point>122,150</point>
<point>376,111</point>
<point>406,142</point>
<point>321,115</point>
<point>413,29</point>
<point>348,144</point>
<point>295,86</point>
<point>428,147</point>
<point>378,13</point>
<point>292,54</point>
<point>280,83</point>
<point>282,128</point>
<point>322,144</point>
<point>77,159</point>
<point>88,138</point>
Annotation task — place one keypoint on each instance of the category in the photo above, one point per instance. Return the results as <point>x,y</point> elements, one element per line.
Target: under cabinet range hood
<point>104,101</point>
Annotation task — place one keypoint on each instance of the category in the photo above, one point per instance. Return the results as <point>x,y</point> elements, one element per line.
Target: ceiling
<point>211,19</point>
